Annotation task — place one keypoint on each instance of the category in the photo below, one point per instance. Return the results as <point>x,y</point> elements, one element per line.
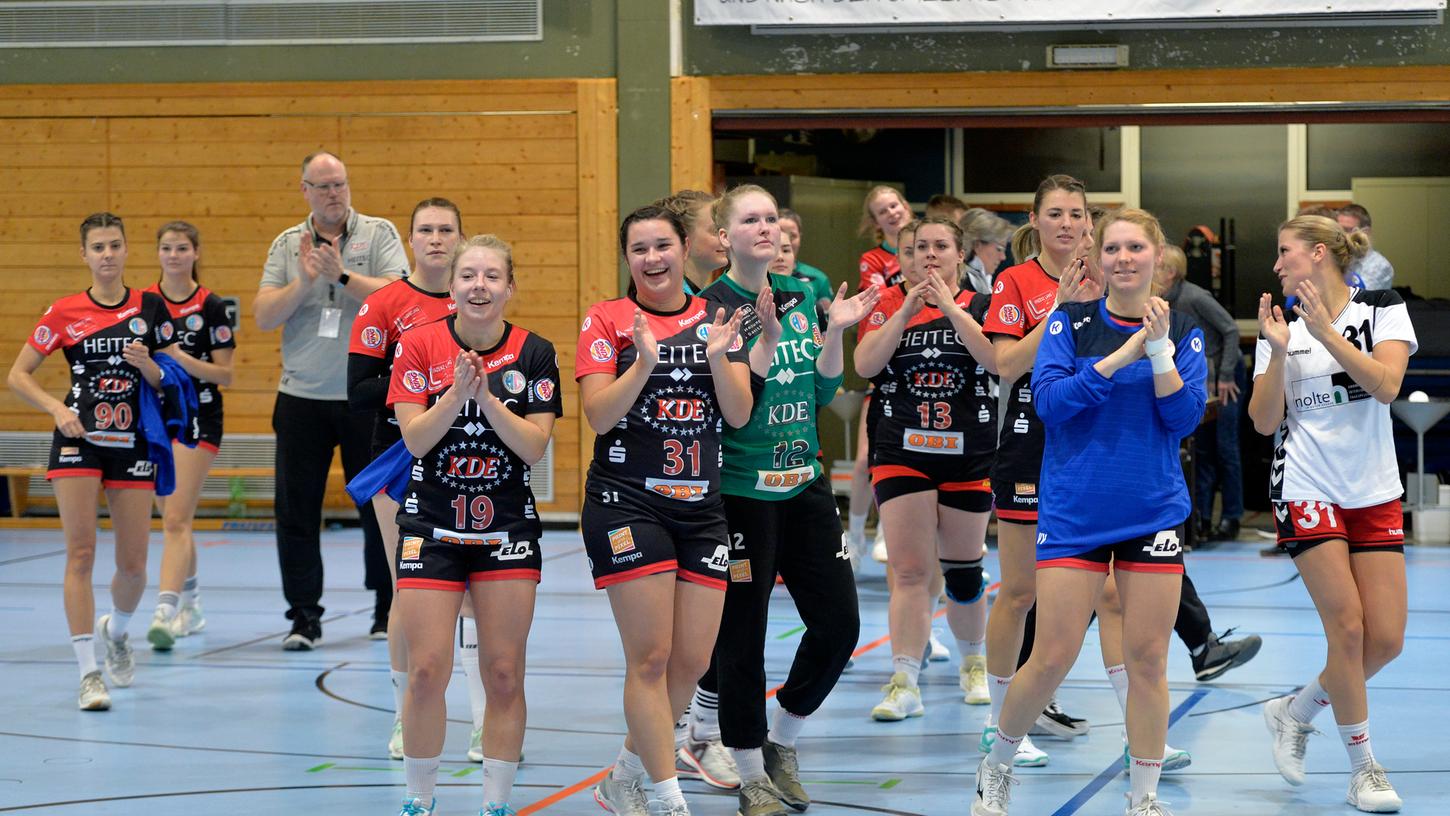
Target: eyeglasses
<point>327,187</point>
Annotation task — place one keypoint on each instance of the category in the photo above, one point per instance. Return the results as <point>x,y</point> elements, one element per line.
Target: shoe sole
<point>892,716</point>
<point>1349,800</point>
<point>1032,763</point>
<point>1054,728</point>
<point>300,645</point>
<point>985,699</point>
<point>1239,659</point>
<point>1270,723</point>
<point>99,705</point>
<point>687,765</point>
<point>160,638</point>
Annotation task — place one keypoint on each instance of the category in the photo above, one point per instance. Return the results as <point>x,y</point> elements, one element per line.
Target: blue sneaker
<point>1174,759</point>
<point>496,809</point>
<point>415,807</point>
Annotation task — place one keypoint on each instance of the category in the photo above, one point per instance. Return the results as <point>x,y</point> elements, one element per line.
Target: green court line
<point>789,632</point>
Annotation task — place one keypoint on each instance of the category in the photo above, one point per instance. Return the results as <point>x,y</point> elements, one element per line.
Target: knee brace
<point>963,580</point>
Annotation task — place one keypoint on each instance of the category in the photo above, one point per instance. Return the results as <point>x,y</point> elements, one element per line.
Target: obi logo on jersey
<point>137,326</point>
<point>798,322</point>
<point>372,337</point>
<point>783,481</point>
<point>514,382</point>
<point>949,442</point>
<point>1009,314</point>
<point>415,381</point>
<point>678,489</point>
<point>601,351</point>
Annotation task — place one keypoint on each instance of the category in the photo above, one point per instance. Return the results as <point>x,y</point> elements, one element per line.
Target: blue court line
<point>1113,770</point>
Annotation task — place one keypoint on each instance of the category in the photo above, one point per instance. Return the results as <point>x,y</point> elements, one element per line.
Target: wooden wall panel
<point>532,161</point>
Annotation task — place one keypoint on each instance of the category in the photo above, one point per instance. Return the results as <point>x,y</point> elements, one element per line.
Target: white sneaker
<point>1148,806</point>
<point>120,662</point>
<point>709,761</point>
<point>1028,755</point>
<point>1371,792</point>
<point>1291,738</point>
<point>93,696</point>
<point>415,807</point>
<point>395,740</point>
<point>853,549</point>
<point>1174,759</point>
<point>972,677</point>
<point>878,547</point>
<point>475,745</point>
<point>160,635</point>
<point>622,797</point>
<point>994,790</point>
<point>188,621</point>
<point>938,650</point>
<point>901,701</point>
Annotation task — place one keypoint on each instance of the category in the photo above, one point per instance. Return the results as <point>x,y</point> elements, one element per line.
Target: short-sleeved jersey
<point>879,267</point>
<point>471,487</point>
<point>773,456</point>
<point>105,390</point>
<point>381,321</point>
<point>1110,470</point>
<point>668,443</point>
<point>1336,443</point>
<point>200,326</point>
<point>935,398</point>
<point>1021,298</point>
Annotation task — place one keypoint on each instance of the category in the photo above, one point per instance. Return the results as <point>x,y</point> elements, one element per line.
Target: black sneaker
<point>305,636</point>
<point>1228,530</point>
<point>379,631</point>
<point>1220,655</point>
<point>1053,721</point>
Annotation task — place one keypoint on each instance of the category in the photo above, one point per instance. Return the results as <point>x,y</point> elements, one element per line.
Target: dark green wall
<point>578,42</point>
<point>712,50</point>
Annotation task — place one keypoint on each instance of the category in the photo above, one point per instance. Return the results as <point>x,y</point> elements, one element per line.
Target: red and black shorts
<point>1160,552</point>
<point>209,430</point>
<point>1304,525</point>
<point>119,467</point>
<point>960,482</point>
<point>628,535</point>
<point>1016,476</point>
<point>448,562</point>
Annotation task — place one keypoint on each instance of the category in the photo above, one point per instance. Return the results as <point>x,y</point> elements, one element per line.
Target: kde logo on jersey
<point>601,351</point>
<point>543,389</point>
<point>1055,328</point>
<point>137,325</point>
<point>415,381</point>
<point>42,335</point>
<point>513,381</point>
<point>193,322</point>
<point>372,337</point>
<point>798,322</point>
<point>1009,314</point>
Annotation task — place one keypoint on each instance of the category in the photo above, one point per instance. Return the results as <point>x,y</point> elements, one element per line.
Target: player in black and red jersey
<point>203,332</point>
<point>108,333</point>
<point>476,398</point>
<point>418,299</point>
<point>658,381</point>
<point>932,447</point>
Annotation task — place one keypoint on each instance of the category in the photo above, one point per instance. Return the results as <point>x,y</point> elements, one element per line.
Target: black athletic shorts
<point>209,430</point>
<point>960,482</point>
<point>125,467</point>
<point>630,536</point>
<point>1156,552</point>
<point>430,563</point>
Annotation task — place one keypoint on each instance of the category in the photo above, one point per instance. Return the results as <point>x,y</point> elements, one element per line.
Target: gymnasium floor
<point>229,723</point>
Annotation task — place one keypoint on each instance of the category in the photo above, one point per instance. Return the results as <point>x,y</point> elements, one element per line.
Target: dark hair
<point>192,234</point>
<point>1058,181</point>
<point>318,154</point>
<point>1359,214</point>
<point>440,203</point>
<point>942,201</point>
<point>101,220</point>
<point>938,221</point>
<point>651,212</point>
<point>787,214</point>
<point>1316,209</point>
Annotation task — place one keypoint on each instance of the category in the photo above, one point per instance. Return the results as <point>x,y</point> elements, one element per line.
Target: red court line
<point>594,779</point>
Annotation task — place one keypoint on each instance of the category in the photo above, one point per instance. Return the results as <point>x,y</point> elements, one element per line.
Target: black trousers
<point>307,431</point>
<point>1192,625</point>
<point>799,538</point>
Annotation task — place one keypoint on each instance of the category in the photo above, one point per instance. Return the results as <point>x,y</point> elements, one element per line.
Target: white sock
<point>166,603</point>
<point>997,690</point>
<point>468,659</point>
<point>628,765</point>
<point>116,627</point>
<point>400,691</point>
<point>190,592</point>
<point>856,526</point>
<point>668,791</point>
<point>85,649</point>
<point>1118,676</point>
<point>421,774</point>
<point>498,780</point>
<point>1143,774</point>
<point>750,762</point>
<point>682,730</point>
<point>705,715</point>
<point>971,647</point>
<point>1356,742</point>
<point>1004,749</point>
<point>907,665</point>
<point>785,728</point>
<point>1309,702</point>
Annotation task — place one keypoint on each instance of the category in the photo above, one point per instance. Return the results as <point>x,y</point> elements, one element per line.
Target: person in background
<point>790,227</point>
<point>945,206</point>
<point>985,235</point>
<point>317,275</point>
<point>1373,271</point>
<point>706,256</point>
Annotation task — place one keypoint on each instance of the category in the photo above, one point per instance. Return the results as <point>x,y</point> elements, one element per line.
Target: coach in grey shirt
<point>317,275</point>
<point>1373,271</point>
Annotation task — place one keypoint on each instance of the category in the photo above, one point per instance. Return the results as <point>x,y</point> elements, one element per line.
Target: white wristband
<point>1153,347</point>
<point>1160,356</point>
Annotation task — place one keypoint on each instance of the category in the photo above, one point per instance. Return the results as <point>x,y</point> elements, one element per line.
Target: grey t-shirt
<point>313,366</point>
<point>1373,269</point>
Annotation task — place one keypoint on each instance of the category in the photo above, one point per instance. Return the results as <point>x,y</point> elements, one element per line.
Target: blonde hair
<point>1174,264</point>
<point>688,205</point>
<point>1344,248</point>
<point>1141,218</point>
<point>1025,243</point>
<point>724,206</point>
<point>868,221</point>
<point>489,241</point>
